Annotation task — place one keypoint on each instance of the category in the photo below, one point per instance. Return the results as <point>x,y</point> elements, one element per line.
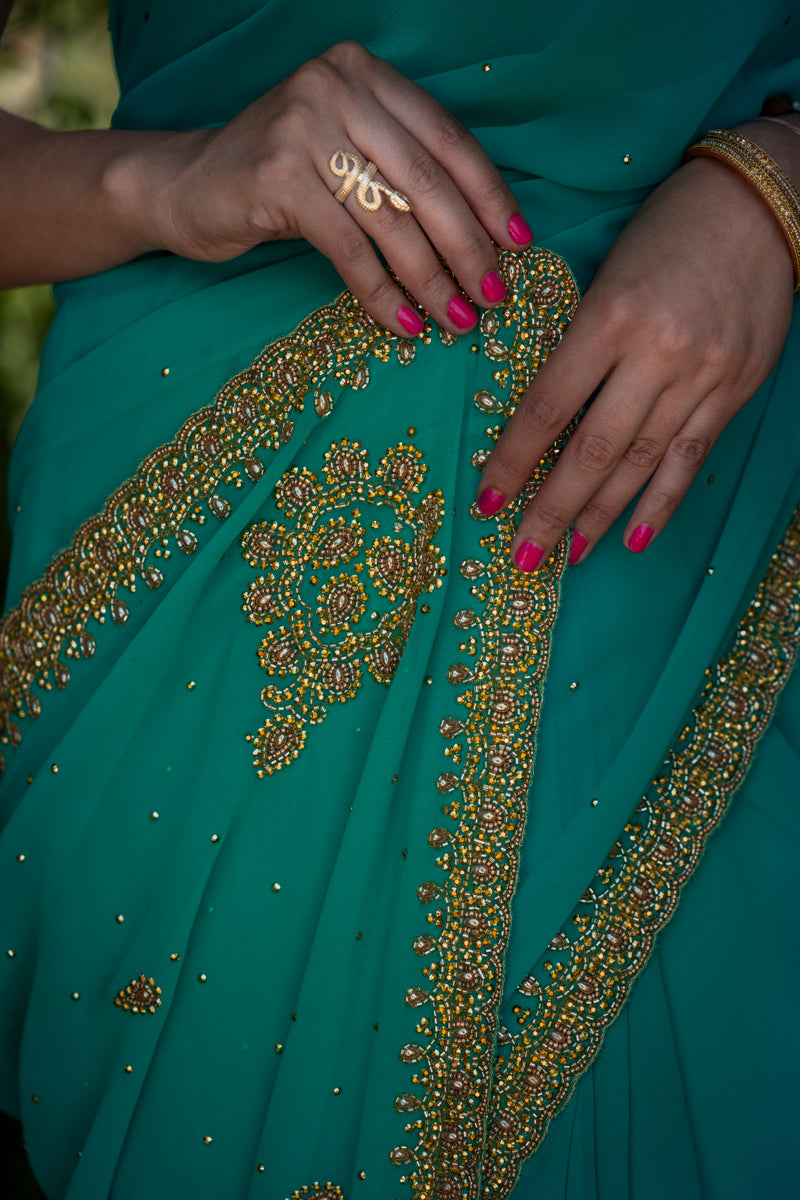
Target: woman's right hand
<point>266,175</point>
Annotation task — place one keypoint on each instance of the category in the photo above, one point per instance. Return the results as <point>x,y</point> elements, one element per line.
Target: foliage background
<point>56,69</point>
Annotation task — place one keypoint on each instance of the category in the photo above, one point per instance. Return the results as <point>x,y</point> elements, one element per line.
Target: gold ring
<point>369,194</point>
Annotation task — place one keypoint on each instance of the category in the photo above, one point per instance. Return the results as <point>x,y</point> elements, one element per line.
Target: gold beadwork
<point>317,655</point>
<point>140,996</point>
<point>763,174</point>
<point>54,627</point>
<point>611,934</point>
<point>500,685</point>
<point>128,1069</point>
<point>317,1191</point>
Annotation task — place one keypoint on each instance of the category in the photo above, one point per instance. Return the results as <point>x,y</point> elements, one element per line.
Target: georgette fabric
<point>334,848</point>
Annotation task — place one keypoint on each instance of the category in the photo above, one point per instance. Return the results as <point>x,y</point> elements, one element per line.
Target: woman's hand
<point>266,175</point>
<point>683,322</point>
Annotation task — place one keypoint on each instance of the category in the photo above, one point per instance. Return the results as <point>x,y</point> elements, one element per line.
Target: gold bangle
<point>762,173</point>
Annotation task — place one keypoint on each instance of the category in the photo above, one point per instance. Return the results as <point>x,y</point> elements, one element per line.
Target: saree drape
<point>332,845</point>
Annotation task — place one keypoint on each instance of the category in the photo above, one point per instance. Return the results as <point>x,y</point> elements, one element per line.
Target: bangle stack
<point>762,173</point>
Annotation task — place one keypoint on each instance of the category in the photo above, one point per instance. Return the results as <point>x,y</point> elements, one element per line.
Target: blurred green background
<point>55,68</point>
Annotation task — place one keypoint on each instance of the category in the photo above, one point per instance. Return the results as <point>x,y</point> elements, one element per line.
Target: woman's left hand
<point>684,321</point>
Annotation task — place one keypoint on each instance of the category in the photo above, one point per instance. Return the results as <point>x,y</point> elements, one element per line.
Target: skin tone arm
<point>683,322</point>
<point>76,203</point>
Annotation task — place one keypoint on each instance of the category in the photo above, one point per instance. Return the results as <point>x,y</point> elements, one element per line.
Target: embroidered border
<point>147,519</point>
<point>563,1016</point>
<point>506,651</point>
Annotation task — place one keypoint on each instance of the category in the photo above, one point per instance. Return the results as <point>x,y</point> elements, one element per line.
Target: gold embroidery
<point>319,645</point>
<point>586,980</point>
<point>317,1192</point>
<point>218,449</point>
<point>140,996</point>
<point>505,648</point>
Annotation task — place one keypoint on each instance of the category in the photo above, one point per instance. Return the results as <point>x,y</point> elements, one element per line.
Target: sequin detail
<point>318,1191</point>
<point>503,638</point>
<point>156,516</point>
<point>586,977</point>
<point>142,995</point>
<point>315,597</point>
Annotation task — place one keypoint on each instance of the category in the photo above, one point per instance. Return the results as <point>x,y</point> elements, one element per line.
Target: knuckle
<point>347,55</point>
<point>472,245</point>
<point>450,133</point>
<point>550,516</point>
<point>597,514</point>
<point>313,78</point>
<point>353,246</point>
<point>379,293</point>
<point>504,460</point>
<point>593,452</point>
<point>644,453</point>
<point>690,450</point>
<point>620,310</point>
<point>672,338</point>
<point>665,502</point>
<point>540,414</point>
<point>433,281</point>
<point>424,174</point>
<point>494,189</point>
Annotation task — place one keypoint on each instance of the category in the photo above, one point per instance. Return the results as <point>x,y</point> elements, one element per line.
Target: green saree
<point>332,845</point>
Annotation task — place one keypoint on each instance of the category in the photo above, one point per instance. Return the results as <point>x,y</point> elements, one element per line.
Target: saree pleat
<point>335,848</point>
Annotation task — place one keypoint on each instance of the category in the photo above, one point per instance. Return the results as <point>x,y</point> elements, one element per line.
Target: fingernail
<point>528,556</point>
<point>579,544</point>
<point>410,320</point>
<point>460,313</point>
<point>520,230</point>
<point>640,538</point>
<point>490,501</point>
<point>493,287</point>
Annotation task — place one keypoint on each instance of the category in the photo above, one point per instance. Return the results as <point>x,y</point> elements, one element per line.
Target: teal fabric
<point>692,1092</point>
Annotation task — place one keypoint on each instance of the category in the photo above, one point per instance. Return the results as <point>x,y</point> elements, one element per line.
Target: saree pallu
<point>332,845</point>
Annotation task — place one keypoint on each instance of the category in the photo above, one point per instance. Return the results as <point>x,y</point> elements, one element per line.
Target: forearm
<point>75,203</point>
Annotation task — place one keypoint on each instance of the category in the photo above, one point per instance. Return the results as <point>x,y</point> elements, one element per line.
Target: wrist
<point>139,183</point>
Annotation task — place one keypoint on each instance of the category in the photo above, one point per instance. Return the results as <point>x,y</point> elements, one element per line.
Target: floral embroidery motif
<point>140,996</point>
<point>565,1008</point>
<point>505,650</point>
<point>218,449</point>
<point>321,638</point>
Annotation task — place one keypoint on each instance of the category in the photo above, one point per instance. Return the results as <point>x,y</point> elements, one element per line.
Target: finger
<point>329,227</point>
<point>566,381</point>
<point>676,472</point>
<point>402,240</point>
<point>442,212</point>
<point>637,464</point>
<point>592,457</point>
<point>450,143</point>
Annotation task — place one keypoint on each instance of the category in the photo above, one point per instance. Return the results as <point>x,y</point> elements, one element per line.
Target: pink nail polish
<point>520,230</point>
<point>490,501</point>
<point>460,313</point>
<point>528,556</point>
<point>640,538</point>
<point>410,320</point>
<point>577,547</point>
<point>493,287</point>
